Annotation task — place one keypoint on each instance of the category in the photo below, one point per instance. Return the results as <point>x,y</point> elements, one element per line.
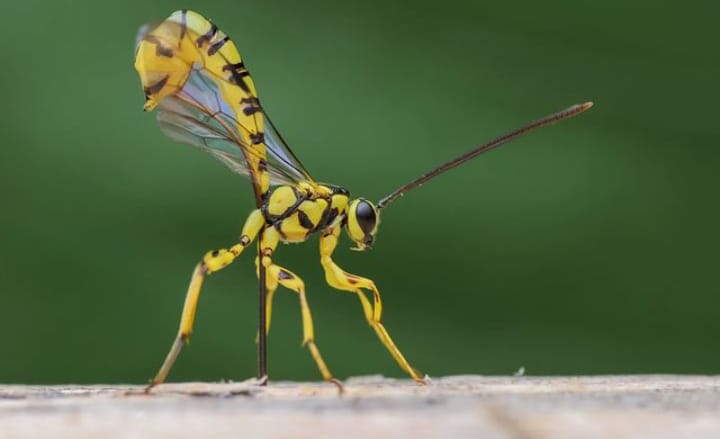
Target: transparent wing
<point>198,116</point>
<point>193,74</point>
<point>185,123</point>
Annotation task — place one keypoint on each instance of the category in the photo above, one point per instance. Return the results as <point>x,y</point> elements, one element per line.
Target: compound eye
<point>366,218</point>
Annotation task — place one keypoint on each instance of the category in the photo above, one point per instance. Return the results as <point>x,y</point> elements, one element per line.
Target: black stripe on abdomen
<point>212,50</point>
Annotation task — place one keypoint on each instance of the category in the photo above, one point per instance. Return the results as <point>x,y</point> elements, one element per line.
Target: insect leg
<point>212,262</point>
<point>277,275</point>
<point>270,294</point>
<point>341,280</point>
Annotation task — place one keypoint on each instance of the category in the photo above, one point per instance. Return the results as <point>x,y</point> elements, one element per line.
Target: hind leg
<point>212,261</point>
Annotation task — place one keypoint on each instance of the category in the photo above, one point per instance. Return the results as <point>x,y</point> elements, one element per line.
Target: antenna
<point>540,123</point>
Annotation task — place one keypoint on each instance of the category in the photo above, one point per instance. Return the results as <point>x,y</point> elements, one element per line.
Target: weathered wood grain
<point>373,407</point>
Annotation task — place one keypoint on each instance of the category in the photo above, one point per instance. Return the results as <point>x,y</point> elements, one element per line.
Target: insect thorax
<point>298,211</point>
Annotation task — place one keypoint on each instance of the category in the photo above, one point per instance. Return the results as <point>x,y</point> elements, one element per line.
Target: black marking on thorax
<point>331,213</point>
<point>328,216</point>
<point>304,220</point>
<point>337,190</point>
<point>274,219</point>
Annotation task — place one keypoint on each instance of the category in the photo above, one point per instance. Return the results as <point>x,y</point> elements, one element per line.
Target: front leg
<point>337,278</point>
<point>211,262</point>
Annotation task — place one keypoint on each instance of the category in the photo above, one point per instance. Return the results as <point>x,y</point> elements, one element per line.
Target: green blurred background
<point>587,248</point>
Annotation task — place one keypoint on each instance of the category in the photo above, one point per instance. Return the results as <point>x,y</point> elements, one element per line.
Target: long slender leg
<point>262,306</point>
<point>337,278</point>
<point>268,313</point>
<point>212,261</point>
<point>277,275</point>
<point>270,295</point>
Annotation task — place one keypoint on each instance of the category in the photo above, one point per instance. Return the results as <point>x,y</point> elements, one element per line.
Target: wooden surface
<point>373,407</point>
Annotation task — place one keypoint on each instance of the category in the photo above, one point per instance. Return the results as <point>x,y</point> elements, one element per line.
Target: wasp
<point>193,75</point>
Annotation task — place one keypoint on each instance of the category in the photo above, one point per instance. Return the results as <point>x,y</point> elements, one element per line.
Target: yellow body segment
<point>314,210</point>
<point>282,199</point>
<point>292,230</point>
<point>339,202</point>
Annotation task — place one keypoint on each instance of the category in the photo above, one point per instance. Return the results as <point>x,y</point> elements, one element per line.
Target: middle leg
<point>277,275</point>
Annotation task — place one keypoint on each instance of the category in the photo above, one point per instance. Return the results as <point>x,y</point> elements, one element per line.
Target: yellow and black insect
<point>193,74</point>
